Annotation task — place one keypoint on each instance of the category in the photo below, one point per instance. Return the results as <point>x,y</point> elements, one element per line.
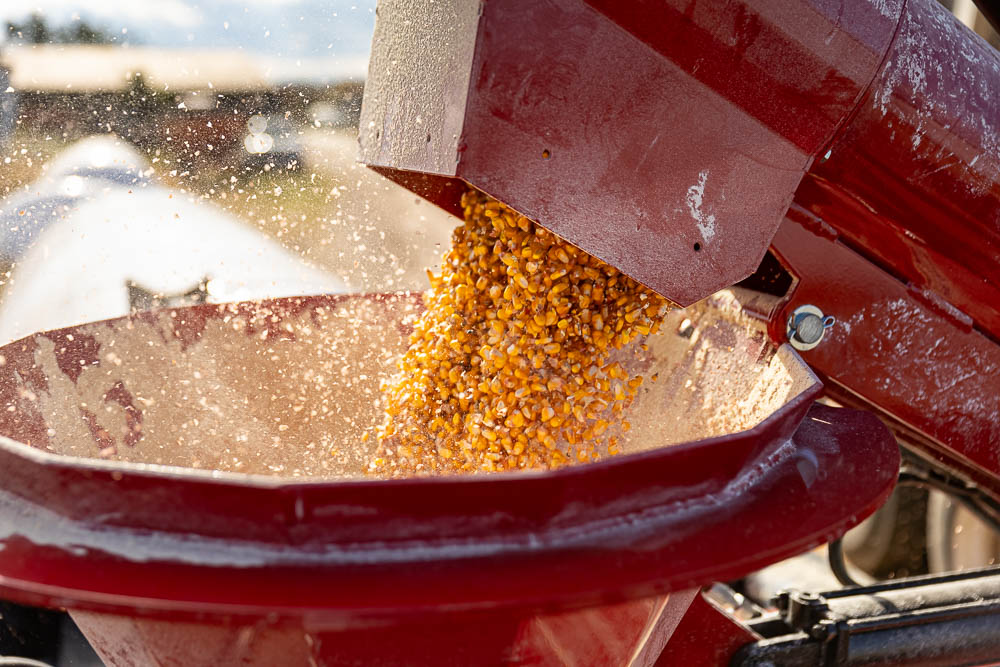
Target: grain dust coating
<point>510,365</point>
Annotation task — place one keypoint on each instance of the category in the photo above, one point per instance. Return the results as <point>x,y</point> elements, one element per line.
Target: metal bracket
<point>890,620</point>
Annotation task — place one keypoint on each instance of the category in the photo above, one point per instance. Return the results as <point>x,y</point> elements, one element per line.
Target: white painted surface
<point>78,268</point>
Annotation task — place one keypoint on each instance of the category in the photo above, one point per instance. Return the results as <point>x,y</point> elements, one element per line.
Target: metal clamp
<point>806,327</point>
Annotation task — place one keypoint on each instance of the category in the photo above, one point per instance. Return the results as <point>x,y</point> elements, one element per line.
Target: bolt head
<point>806,326</point>
<point>809,328</point>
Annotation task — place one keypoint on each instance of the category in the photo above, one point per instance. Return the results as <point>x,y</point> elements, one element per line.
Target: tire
<point>891,543</point>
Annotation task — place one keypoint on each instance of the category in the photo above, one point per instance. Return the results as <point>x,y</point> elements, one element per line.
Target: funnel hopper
<point>190,484</point>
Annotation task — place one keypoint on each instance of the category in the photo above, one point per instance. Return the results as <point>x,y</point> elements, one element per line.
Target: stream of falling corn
<point>508,367</point>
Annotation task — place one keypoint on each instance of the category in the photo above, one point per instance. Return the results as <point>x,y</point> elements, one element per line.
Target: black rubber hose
<point>835,550</point>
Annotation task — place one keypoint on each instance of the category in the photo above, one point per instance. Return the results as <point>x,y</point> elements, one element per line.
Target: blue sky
<point>297,28</point>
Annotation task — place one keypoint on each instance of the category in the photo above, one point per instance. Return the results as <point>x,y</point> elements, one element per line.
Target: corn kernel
<point>488,383</point>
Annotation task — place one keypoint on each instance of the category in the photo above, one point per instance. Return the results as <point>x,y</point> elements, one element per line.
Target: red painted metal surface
<point>896,233</point>
<point>677,168</point>
<point>612,634</point>
<point>682,150</point>
<point>910,180</point>
<point>895,229</point>
<point>913,181</point>
<point>896,349</point>
<point>705,636</point>
<point>797,67</point>
<point>444,611</point>
<point>628,633</point>
<point>460,564</point>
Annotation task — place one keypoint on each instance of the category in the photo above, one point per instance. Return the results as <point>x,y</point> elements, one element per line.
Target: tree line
<point>36,30</point>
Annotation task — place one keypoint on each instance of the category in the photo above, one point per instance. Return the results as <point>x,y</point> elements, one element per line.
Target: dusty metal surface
<point>463,565</point>
<point>426,49</point>
<point>288,387</point>
<point>590,145</point>
<point>159,560</point>
<point>284,387</point>
<point>120,536</point>
<point>913,180</point>
<point>896,350</point>
<point>716,371</point>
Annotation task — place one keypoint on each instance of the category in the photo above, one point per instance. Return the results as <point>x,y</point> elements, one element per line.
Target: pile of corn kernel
<point>508,367</point>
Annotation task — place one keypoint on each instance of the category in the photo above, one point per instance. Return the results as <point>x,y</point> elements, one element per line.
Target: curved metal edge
<point>838,467</point>
<point>109,496</point>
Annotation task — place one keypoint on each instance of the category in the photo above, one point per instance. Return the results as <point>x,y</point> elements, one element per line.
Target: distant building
<point>155,95</point>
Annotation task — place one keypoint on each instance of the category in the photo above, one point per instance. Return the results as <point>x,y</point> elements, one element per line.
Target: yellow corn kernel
<point>501,385</point>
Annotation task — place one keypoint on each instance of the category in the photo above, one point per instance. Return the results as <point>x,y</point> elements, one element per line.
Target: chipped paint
<point>695,201</point>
